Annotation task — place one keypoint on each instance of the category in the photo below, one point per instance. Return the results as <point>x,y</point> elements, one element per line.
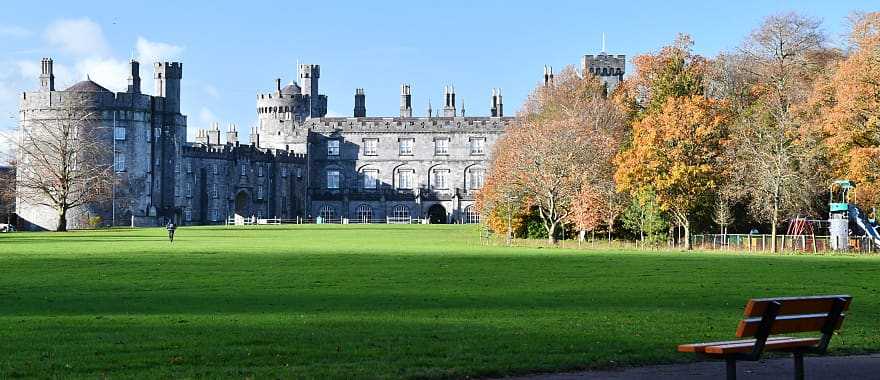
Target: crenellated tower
<point>405,100</point>
<point>360,103</point>
<point>168,76</point>
<point>609,68</point>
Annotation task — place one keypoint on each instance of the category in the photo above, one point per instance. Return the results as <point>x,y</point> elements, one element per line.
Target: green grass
<point>379,302</point>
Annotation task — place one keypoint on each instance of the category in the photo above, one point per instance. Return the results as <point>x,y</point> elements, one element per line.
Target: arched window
<point>327,213</point>
<point>475,178</point>
<point>400,215</point>
<point>364,214</point>
<point>470,215</point>
<point>604,71</point>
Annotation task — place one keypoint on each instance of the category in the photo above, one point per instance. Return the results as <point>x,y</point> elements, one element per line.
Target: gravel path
<point>826,367</point>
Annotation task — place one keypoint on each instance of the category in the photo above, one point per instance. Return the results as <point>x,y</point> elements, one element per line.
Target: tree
<point>7,191</point>
<point>722,215</point>
<point>562,143</point>
<point>64,160</point>
<point>675,152</point>
<point>674,71</point>
<point>644,217</point>
<point>847,110</point>
<point>772,159</point>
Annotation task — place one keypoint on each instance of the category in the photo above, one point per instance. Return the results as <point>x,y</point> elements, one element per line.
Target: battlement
<point>409,124</point>
<point>309,70</point>
<point>238,151</point>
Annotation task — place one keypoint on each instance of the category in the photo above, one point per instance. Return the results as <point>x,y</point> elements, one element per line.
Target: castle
<point>298,165</point>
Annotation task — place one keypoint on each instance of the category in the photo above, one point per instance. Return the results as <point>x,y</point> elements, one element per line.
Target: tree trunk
<point>773,221</point>
<point>551,234</point>
<point>687,235</point>
<point>62,220</point>
<point>583,235</point>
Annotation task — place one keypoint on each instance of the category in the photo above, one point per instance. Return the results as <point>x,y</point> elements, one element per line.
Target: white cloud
<point>108,72</point>
<point>150,51</point>
<point>14,31</point>
<point>80,37</point>
<point>206,117</point>
<point>211,91</point>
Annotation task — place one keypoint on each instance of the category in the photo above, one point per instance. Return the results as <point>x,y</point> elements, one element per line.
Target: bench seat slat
<point>795,305</point>
<point>787,324</point>
<point>701,347</point>
<point>741,348</point>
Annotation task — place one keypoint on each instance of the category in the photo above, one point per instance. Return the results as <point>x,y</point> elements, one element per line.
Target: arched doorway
<point>242,209</point>
<point>437,214</point>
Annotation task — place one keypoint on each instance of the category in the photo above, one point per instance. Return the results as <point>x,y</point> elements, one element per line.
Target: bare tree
<point>773,160</point>
<point>65,160</point>
<point>7,191</point>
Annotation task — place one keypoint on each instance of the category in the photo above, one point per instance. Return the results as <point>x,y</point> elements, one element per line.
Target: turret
<point>449,96</point>
<point>405,101</point>
<point>429,108</point>
<point>168,76</point>
<point>47,77</point>
<point>308,78</point>
<point>609,68</point>
<point>360,103</point>
<point>134,77</point>
<point>232,135</point>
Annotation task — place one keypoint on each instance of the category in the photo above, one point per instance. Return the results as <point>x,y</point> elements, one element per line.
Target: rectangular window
<point>188,214</point>
<point>441,146</point>
<point>332,147</point>
<point>299,173</point>
<point>177,167</point>
<point>405,179</point>
<point>260,214</point>
<point>244,169</point>
<point>119,133</point>
<point>284,172</point>
<point>214,190</point>
<point>259,170</point>
<point>260,192</point>
<point>406,147</point>
<point>475,180</point>
<point>119,162</point>
<point>440,179</point>
<point>371,147</point>
<point>371,177</point>
<point>214,169</point>
<point>157,134</point>
<point>477,145</point>
<point>189,166</point>
<point>215,215</point>
<point>333,179</point>
<point>189,190</point>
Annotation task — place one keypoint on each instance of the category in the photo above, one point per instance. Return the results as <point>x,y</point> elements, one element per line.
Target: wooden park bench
<point>767,317</point>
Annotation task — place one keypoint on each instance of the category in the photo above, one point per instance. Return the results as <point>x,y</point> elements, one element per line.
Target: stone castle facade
<point>299,164</point>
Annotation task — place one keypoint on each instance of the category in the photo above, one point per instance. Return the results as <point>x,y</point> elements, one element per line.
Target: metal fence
<point>784,243</point>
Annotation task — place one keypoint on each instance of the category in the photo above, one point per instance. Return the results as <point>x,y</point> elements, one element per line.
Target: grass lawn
<point>379,302</point>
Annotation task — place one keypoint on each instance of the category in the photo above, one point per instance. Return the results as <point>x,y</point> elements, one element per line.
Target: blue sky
<point>234,50</point>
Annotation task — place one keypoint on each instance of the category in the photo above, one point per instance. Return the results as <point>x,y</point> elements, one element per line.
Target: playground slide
<point>861,220</point>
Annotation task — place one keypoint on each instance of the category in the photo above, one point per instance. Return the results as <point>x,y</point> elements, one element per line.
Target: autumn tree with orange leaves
<point>563,142</point>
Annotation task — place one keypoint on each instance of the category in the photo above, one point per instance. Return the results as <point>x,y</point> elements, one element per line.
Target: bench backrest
<point>768,316</point>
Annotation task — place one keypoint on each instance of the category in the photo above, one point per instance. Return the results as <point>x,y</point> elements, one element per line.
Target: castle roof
<point>291,89</point>
<point>87,86</point>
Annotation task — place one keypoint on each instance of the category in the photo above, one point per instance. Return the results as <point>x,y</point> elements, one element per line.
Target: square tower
<point>609,68</point>
<point>308,78</point>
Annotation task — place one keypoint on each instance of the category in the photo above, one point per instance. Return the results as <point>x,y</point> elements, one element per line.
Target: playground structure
<point>846,220</point>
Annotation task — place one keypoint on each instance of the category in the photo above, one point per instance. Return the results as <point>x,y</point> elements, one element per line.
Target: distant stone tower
<point>360,103</point>
<point>47,77</point>
<point>609,68</point>
<point>308,77</point>
<point>168,76</point>
<point>134,77</point>
<point>405,100</point>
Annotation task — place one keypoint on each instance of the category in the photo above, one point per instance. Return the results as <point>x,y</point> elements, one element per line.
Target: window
<point>189,190</point>
<point>244,169</point>
<point>157,134</point>
<point>332,147</point>
<point>119,133</point>
<point>119,161</point>
<point>215,215</point>
<point>477,145</point>
<point>260,214</point>
<point>177,167</point>
<point>440,177</point>
<point>333,179</point>
<point>214,169</point>
<point>371,177</point>
<point>214,190</point>
<point>259,170</point>
<point>475,179</point>
<point>260,192</point>
<point>441,146</point>
<point>327,212</point>
<point>284,172</point>
<point>364,214</point>
<point>406,147</point>
<point>188,214</point>
<point>470,215</point>
<point>405,179</point>
<point>189,167</point>
<point>299,173</point>
<point>400,214</point>
<point>371,147</point>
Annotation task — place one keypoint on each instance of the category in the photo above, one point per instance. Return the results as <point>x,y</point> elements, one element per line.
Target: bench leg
<point>798,366</point>
<point>731,368</point>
